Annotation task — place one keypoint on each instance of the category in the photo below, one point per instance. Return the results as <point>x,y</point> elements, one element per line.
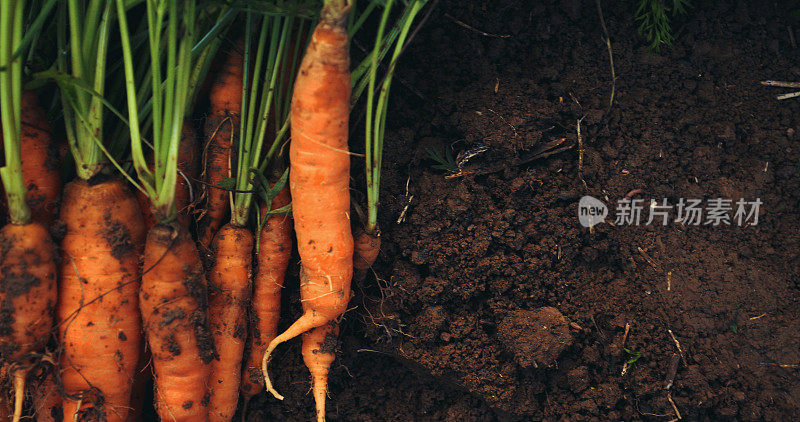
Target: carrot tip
<point>264,365</point>
<point>19,393</point>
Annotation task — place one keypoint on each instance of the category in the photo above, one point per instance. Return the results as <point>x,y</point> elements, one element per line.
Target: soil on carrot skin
<point>474,255</point>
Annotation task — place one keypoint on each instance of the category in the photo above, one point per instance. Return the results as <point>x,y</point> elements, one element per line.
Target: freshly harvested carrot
<point>366,249</point>
<point>27,298</point>
<point>220,129</point>
<point>319,178</point>
<point>229,291</point>
<point>5,408</point>
<point>319,352</point>
<point>188,170</point>
<point>41,162</point>
<point>188,167</point>
<point>174,302</point>
<point>47,401</point>
<point>41,166</point>
<point>274,252</point>
<point>99,323</point>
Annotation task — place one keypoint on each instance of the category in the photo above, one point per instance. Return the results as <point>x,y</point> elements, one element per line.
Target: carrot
<point>220,129</point>
<point>27,298</point>
<point>173,302</point>
<point>229,281</point>
<point>41,160</point>
<point>47,401</point>
<point>41,166</point>
<point>275,250</point>
<point>366,249</point>
<point>99,323</point>
<point>188,166</point>
<point>5,408</point>
<point>319,352</point>
<point>319,178</point>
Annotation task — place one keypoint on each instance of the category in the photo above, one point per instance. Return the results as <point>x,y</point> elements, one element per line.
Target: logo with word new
<point>591,211</point>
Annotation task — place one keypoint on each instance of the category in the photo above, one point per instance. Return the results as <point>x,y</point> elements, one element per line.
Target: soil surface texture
<point>490,301</point>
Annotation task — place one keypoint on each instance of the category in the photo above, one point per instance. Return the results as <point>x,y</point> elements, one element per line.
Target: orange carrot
<point>319,179</point>
<point>47,401</point>
<point>275,250</point>
<point>41,166</point>
<point>221,126</point>
<point>319,352</point>
<point>229,287</point>
<point>366,249</point>
<point>188,166</point>
<point>174,302</point>
<point>27,299</point>
<point>41,161</point>
<point>100,327</point>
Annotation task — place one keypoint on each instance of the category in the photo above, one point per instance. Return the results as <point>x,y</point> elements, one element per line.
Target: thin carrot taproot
<point>99,322</point>
<point>319,352</point>
<point>274,253</point>
<point>319,178</point>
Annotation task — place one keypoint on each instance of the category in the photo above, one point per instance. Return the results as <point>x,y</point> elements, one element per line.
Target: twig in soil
<point>791,36</point>
<point>656,266</point>
<point>580,152</point>
<point>781,365</point>
<point>402,216</point>
<point>544,151</point>
<point>625,335</point>
<point>675,408</point>
<point>485,34</point>
<point>506,122</point>
<point>674,361</point>
<point>607,41</point>
<point>669,281</point>
<point>787,96</point>
<point>784,84</point>
<point>678,345</point>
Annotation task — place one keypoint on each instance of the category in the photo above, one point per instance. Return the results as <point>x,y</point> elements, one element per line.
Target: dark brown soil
<point>440,335</point>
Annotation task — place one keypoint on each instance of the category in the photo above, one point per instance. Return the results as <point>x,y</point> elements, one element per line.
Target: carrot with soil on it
<point>47,400</point>
<point>27,254</point>
<point>41,165</point>
<point>274,252</point>
<point>173,295</point>
<point>99,323</point>
<point>220,131</point>
<point>319,180</point>
<point>230,277</point>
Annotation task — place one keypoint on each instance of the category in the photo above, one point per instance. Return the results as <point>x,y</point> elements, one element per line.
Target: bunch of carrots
<point>162,262</point>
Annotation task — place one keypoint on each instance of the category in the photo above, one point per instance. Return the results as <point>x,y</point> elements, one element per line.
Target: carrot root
<point>275,249</point>
<point>19,393</point>
<point>229,281</point>
<point>174,303</point>
<point>367,246</point>
<point>100,327</point>
<point>319,352</point>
